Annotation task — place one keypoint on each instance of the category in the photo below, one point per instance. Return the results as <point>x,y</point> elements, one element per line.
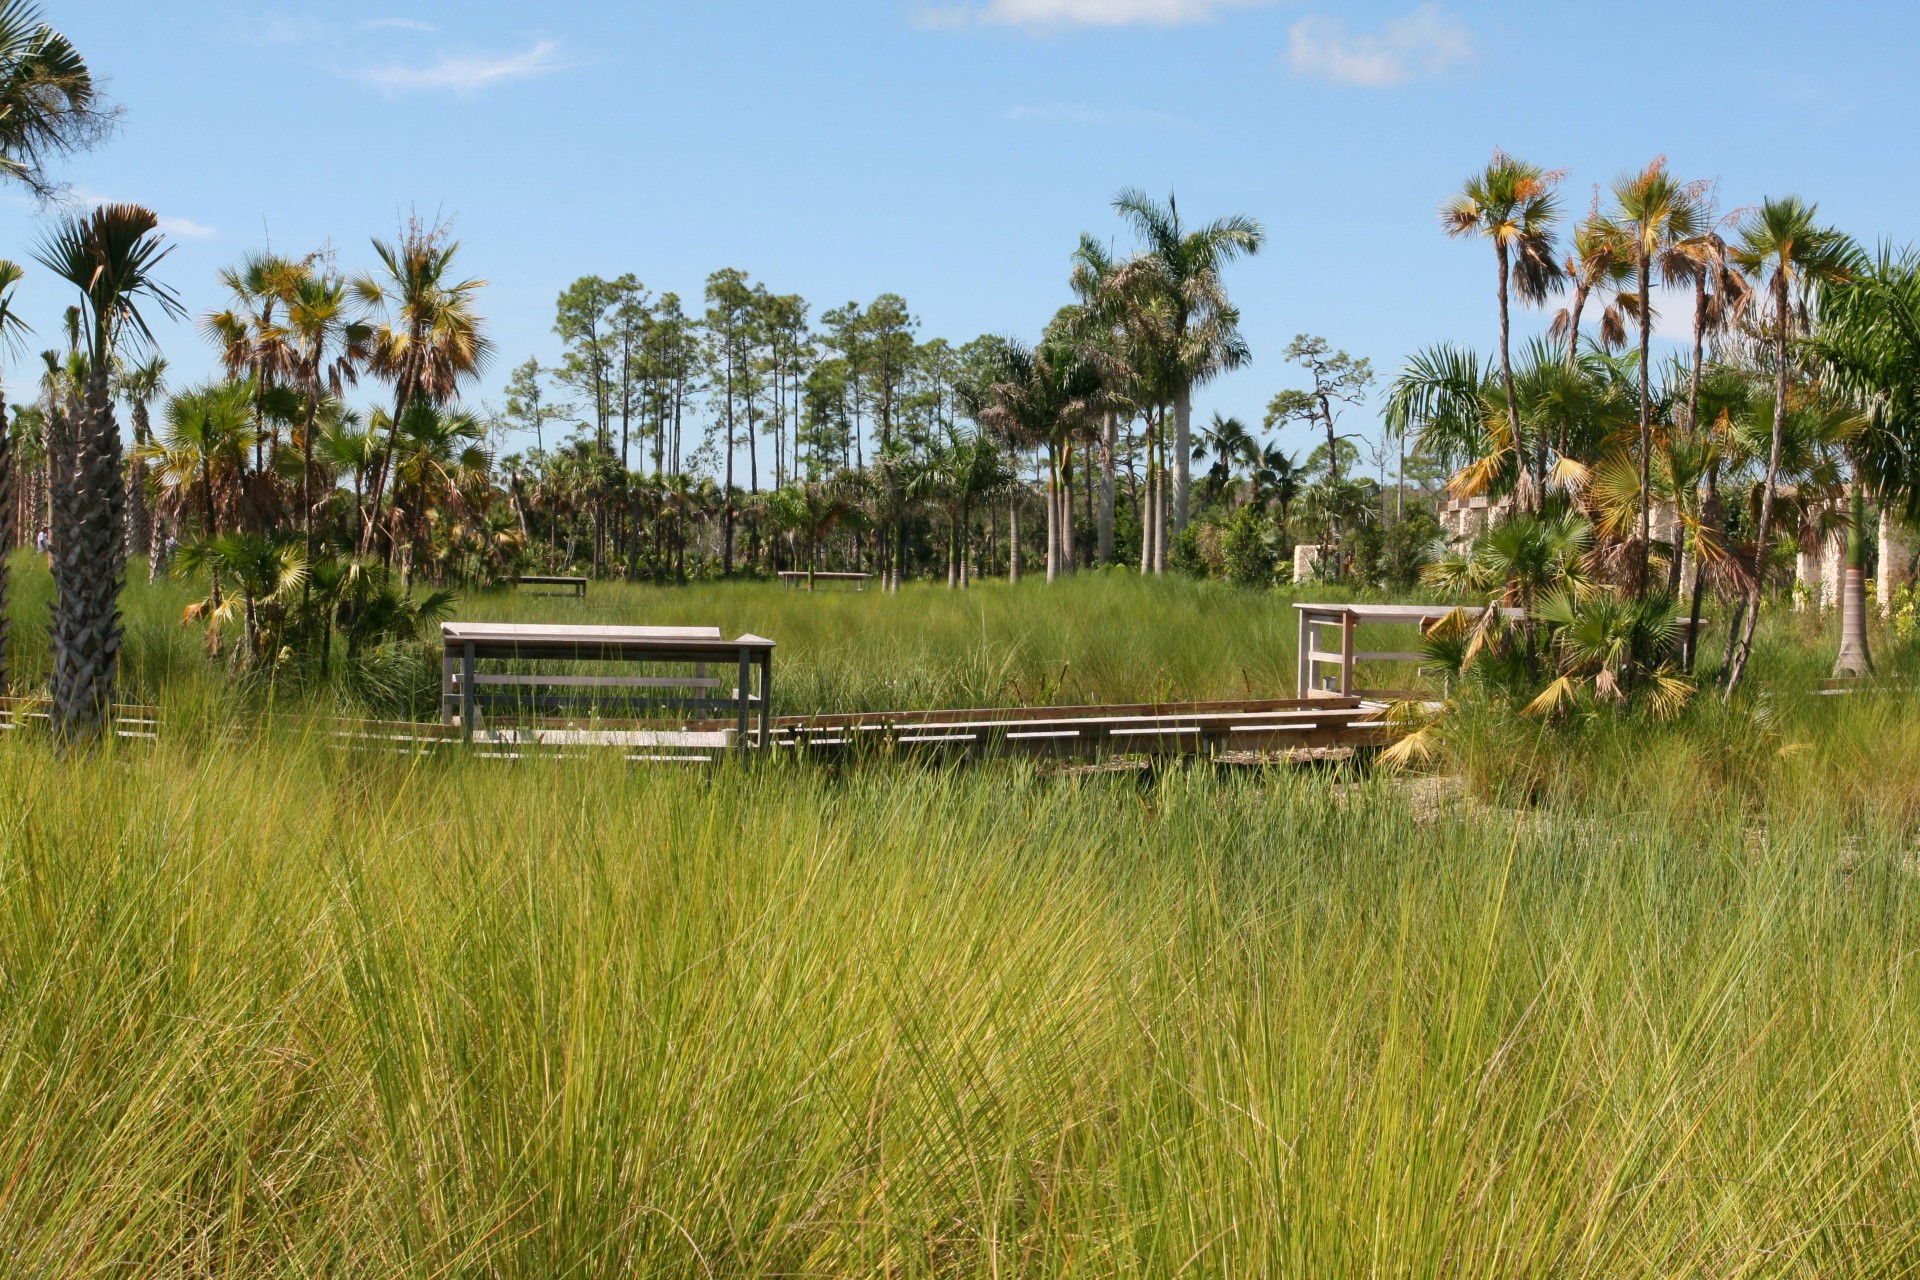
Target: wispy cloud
<point>398,24</point>
<point>463,73</point>
<point>1079,13</point>
<point>1426,43</point>
<point>1079,113</point>
<point>279,28</point>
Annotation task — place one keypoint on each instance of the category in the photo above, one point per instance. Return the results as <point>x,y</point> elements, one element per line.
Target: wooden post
<point>1303,685</point>
<point>466,690</point>
<point>446,684</point>
<point>741,699</point>
<point>1346,654</point>
<point>766,702</point>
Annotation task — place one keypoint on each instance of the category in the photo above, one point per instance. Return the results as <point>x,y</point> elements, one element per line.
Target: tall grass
<point>268,1011</point>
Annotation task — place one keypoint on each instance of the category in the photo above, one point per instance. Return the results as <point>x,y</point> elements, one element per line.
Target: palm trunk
<point>1053,514</point>
<point>1013,538</point>
<point>1710,518</point>
<point>1765,527</point>
<point>1103,523</point>
<point>7,531</point>
<point>87,569</point>
<point>1182,456</point>
<point>1855,658</point>
<point>1646,423</point>
<point>1506,374</point>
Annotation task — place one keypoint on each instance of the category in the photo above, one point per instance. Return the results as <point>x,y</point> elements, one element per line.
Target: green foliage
<point>1248,546</point>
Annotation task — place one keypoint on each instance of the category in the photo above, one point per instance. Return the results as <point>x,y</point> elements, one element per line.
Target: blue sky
<point>953,150</point>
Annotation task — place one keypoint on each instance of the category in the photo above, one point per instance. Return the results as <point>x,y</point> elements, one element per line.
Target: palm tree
<point>1596,261</point>
<point>1655,216</point>
<point>266,568</point>
<point>442,457</point>
<point>1228,442</point>
<point>12,327</point>
<point>1184,268</point>
<point>329,344</point>
<point>1512,204</point>
<point>110,256</point>
<point>1783,250</point>
<point>138,384</point>
<point>1869,345</point>
<point>428,340</point>
<point>201,456</point>
<point>49,104</point>
<point>251,341</point>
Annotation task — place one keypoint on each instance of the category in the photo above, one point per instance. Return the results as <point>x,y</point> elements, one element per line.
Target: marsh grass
<point>270,1011</point>
<point>1632,1003</point>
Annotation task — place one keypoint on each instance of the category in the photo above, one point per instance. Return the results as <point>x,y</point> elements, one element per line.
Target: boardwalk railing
<point>136,723</point>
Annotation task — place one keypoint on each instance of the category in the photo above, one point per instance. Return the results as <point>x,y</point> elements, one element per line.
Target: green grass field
<point>1643,1004</point>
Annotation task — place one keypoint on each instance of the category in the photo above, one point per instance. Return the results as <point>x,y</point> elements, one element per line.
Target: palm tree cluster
<point>1782,418</point>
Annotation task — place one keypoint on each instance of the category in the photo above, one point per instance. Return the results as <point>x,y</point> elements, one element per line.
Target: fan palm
<point>49,103</point>
<point>1183,266</point>
<point>12,327</point>
<point>428,338</point>
<point>1597,260</point>
<point>1228,442</point>
<point>1655,216</point>
<point>441,455</point>
<point>265,569</point>
<point>248,334</point>
<point>110,256</point>
<point>1512,204</point>
<point>328,346</point>
<point>1782,249</point>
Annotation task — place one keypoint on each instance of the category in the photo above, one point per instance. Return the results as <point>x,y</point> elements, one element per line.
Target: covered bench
<point>468,694</point>
<point>801,578</point>
<point>576,587</point>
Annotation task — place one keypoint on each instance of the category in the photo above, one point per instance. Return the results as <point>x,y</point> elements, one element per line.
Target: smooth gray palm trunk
<point>1855,658</point>
<point>1182,457</point>
<point>88,558</point>
<point>1104,529</point>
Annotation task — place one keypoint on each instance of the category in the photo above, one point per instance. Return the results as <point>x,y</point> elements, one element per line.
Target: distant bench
<point>800,577</point>
<point>576,587</point>
<point>467,694</point>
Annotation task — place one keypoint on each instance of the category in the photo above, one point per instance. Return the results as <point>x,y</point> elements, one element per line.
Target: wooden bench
<point>800,577</point>
<point>575,587</point>
<point>468,694</point>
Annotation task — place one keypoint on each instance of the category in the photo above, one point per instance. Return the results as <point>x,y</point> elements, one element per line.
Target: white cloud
<point>465,73</point>
<point>1427,42</point>
<point>399,24</point>
<point>187,229</point>
<point>84,199</point>
<point>1081,13</point>
<point>281,28</point>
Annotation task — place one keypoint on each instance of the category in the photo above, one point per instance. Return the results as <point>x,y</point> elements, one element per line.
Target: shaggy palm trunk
<point>1764,529</point>
<point>139,515</point>
<point>7,530</point>
<point>157,548</point>
<point>87,564</point>
<point>1710,518</point>
<point>1646,424</point>
<point>1855,659</point>
<point>1506,380</point>
<point>1104,522</point>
